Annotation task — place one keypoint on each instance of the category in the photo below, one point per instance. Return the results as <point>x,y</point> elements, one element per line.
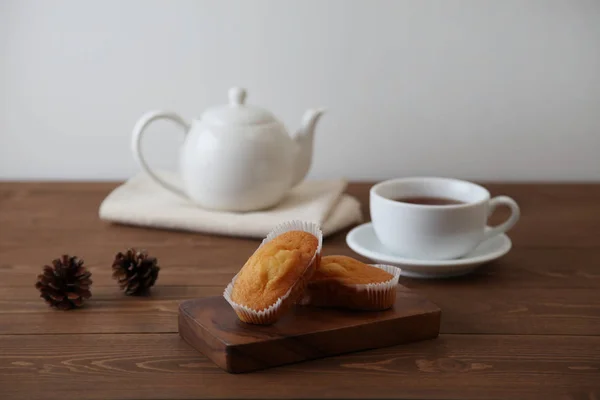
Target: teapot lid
<point>237,112</point>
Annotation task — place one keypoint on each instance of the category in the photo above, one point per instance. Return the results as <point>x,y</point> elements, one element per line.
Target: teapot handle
<point>136,144</point>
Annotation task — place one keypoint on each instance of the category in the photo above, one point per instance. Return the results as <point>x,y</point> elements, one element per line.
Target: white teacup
<point>435,232</point>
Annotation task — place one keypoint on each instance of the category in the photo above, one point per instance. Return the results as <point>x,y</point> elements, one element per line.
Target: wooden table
<point>526,326</point>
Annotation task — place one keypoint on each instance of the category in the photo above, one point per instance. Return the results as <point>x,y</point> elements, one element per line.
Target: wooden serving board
<point>211,326</point>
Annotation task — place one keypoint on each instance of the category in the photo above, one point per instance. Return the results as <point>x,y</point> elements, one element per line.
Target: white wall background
<point>489,89</point>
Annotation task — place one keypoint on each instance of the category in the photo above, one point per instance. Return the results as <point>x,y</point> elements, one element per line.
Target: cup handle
<point>136,144</point>
<point>510,222</point>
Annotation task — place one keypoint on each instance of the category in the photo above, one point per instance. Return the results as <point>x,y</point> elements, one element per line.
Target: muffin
<point>344,282</point>
<point>275,276</point>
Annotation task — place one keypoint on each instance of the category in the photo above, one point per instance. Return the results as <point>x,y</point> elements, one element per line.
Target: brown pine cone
<point>135,271</point>
<point>66,284</point>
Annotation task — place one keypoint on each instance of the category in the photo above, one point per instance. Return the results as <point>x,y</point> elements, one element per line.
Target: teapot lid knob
<point>237,96</point>
<point>236,112</point>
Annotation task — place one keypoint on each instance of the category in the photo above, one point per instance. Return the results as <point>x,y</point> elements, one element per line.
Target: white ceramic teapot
<point>236,157</point>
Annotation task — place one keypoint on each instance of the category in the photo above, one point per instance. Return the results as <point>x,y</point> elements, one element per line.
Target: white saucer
<point>363,241</point>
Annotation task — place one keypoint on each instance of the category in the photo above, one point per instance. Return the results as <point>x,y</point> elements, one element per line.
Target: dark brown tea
<point>429,201</point>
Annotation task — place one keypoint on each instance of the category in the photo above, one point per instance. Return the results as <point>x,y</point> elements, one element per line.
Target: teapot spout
<point>304,139</point>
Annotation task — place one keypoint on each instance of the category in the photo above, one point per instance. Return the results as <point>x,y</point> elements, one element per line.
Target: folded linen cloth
<point>140,201</point>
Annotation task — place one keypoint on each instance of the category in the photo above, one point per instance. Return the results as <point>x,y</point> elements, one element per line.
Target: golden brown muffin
<point>349,271</point>
<point>281,265</point>
<point>344,282</point>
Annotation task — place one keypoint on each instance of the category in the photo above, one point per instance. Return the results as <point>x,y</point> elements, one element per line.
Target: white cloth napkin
<point>140,201</point>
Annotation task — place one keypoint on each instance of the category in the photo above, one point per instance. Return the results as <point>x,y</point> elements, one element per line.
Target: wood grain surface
<point>162,366</point>
<point>525,326</point>
<point>211,326</point>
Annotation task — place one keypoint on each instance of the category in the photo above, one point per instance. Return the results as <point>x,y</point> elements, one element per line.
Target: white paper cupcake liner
<point>377,294</point>
<point>382,294</point>
<point>270,313</point>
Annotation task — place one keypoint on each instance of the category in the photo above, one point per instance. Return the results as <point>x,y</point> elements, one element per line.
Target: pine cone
<point>66,284</point>
<point>135,271</point>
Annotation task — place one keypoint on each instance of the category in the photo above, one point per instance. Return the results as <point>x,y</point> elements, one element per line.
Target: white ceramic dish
<point>363,241</point>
